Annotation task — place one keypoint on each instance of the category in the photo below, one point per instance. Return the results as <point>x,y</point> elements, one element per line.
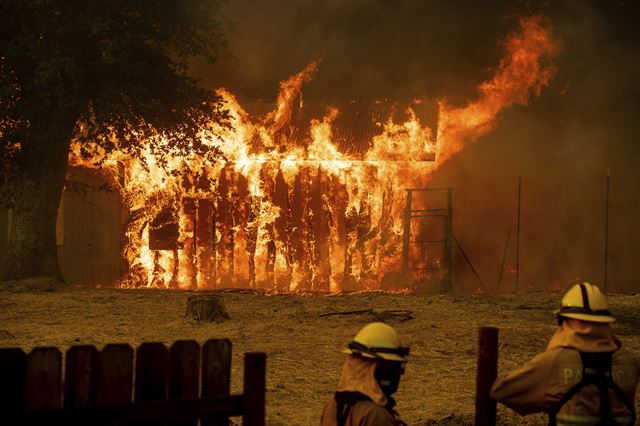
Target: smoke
<point>560,144</point>
<point>368,48</point>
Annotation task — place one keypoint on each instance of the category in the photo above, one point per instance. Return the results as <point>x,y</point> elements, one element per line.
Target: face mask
<point>388,375</point>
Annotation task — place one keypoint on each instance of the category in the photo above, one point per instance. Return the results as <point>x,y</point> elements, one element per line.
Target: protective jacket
<point>540,384</point>
<point>358,400</point>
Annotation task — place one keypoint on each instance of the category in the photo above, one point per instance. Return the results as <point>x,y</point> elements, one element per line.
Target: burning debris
<point>302,198</point>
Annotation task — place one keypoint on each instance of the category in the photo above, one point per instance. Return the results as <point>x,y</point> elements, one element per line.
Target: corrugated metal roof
<point>354,128</point>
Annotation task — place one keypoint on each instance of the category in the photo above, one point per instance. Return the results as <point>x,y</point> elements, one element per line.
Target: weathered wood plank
<point>184,373</point>
<point>152,361</point>
<point>81,365</point>
<point>216,367</point>
<point>44,379</point>
<point>216,374</point>
<point>13,371</point>
<point>184,369</point>
<point>115,375</point>
<point>254,388</point>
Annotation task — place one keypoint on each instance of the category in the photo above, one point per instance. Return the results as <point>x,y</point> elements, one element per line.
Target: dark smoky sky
<point>560,144</point>
<point>366,48</point>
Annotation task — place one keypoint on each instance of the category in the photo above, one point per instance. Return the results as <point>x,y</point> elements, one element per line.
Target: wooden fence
<point>486,373</point>
<point>179,385</point>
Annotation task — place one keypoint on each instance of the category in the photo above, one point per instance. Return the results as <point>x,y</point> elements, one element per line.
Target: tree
<point>99,72</point>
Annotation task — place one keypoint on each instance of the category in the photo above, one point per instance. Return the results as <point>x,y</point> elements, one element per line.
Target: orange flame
<point>289,89</point>
<point>294,215</point>
<point>526,68</point>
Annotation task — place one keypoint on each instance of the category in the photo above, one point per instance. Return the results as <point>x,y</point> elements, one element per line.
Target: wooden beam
<point>486,374</point>
<point>255,365</point>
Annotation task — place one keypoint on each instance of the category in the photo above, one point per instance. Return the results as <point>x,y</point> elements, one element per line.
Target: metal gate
<point>427,238</point>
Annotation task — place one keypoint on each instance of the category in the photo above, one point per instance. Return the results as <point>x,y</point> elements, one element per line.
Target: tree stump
<point>208,308</point>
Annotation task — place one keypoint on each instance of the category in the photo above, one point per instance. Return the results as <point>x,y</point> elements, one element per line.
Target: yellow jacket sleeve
<point>525,390</point>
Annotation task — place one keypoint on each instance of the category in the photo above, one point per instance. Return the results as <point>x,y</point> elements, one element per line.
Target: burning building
<point>300,201</point>
<point>301,196</point>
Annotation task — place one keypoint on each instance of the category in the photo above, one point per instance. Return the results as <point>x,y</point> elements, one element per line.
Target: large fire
<point>297,213</point>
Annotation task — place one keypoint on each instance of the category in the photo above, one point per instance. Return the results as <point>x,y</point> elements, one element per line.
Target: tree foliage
<point>116,68</point>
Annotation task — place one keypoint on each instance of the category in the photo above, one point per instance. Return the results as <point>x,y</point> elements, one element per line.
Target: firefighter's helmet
<point>585,301</point>
<point>378,340</point>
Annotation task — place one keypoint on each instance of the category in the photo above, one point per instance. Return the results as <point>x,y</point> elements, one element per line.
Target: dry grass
<point>303,363</point>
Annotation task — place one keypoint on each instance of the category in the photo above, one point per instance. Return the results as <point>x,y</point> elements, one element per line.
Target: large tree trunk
<point>42,166</point>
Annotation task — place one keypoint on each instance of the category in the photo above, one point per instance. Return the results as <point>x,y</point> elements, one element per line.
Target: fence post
<point>216,374</point>
<point>253,394</point>
<point>114,381</point>
<point>406,233</point>
<point>184,370</point>
<point>81,370</point>
<point>44,379</point>
<point>487,370</point>
<point>13,371</point>
<point>152,363</point>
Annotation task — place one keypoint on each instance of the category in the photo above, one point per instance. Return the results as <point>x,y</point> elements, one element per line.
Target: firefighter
<point>370,376</point>
<point>584,377</point>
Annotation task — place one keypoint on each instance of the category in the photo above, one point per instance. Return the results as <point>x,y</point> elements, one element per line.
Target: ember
<point>292,205</point>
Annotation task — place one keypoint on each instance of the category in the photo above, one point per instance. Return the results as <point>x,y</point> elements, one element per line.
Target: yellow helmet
<point>378,340</point>
<point>585,301</point>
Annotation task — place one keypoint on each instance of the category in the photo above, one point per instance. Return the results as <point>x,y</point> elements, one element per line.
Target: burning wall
<point>302,198</point>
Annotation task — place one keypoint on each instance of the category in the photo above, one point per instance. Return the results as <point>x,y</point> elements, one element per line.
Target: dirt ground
<point>303,347</point>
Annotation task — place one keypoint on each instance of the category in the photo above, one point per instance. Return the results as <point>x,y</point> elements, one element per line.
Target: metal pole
<point>406,234</point>
<point>468,262</point>
<point>194,255</point>
<point>486,372</point>
<point>448,255</point>
<point>504,258</point>
<point>518,235</point>
<point>606,230</point>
